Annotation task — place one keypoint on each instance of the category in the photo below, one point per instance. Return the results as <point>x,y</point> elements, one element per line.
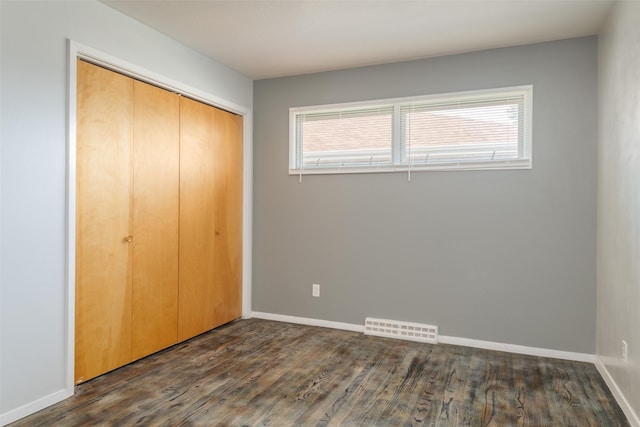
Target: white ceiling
<point>269,38</point>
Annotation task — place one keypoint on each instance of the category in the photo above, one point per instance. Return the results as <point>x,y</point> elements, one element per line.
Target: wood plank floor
<point>263,373</point>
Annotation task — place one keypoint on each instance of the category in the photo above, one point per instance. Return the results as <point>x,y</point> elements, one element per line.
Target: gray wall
<point>33,191</point>
<point>618,315</point>
<point>504,256</point>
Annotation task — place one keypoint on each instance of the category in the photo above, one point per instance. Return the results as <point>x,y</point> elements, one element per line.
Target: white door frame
<point>77,50</point>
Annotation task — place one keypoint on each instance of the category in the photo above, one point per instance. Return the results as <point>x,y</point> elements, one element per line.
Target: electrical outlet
<point>625,351</point>
<point>315,290</point>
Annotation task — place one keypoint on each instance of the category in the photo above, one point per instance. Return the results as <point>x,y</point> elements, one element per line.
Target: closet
<point>158,219</point>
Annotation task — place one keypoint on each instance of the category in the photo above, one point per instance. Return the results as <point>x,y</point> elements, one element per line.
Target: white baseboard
<point>518,349</point>
<point>487,345</point>
<point>33,407</point>
<point>632,417</point>
<point>308,321</point>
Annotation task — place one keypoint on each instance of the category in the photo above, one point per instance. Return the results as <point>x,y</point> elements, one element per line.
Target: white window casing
<point>486,129</point>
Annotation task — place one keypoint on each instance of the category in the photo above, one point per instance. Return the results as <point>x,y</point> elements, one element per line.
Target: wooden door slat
<point>103,221</point>
<point>156,162</point>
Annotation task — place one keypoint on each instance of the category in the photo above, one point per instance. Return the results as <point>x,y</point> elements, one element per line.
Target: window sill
<point>466,166</point>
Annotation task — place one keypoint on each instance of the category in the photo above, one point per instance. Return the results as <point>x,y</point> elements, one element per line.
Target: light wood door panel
<point>155,219</point>
<point>198,134</point>
<point>103,221</point>
<point>210,218</point>
<point>228,219</point>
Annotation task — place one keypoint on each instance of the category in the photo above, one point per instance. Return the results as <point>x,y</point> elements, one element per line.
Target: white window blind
<point>488,129</point>
<point>339,139</point>
<point>463,130</point>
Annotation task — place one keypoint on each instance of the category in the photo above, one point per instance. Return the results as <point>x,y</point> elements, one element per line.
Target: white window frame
<point>525,160</point>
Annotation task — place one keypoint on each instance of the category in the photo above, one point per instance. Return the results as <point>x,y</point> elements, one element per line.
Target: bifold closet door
<point>126,220</point>
<point>156,162</point>
<point>210,218</point>
<point>104,130</point>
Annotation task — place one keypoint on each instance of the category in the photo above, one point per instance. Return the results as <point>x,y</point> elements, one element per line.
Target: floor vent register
<point>401,330</point>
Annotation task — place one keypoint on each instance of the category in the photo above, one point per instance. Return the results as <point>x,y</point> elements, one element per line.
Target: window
<point>488,129</point>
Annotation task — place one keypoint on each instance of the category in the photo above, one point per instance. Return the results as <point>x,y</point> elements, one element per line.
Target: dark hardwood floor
<point>258,373</point>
